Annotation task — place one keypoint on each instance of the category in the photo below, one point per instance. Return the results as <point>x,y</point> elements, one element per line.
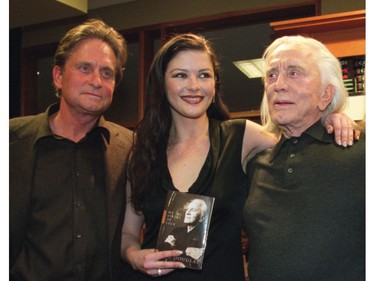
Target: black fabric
<point>66,208</point>
<point>41,212</point>
<point>305,214</point>
<point>221,177</point>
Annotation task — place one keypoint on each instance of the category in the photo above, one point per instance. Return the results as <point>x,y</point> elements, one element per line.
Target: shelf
<point>245,114</point>
<point>342,33</point>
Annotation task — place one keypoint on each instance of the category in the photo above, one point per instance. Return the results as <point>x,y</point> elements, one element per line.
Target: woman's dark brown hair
<point>152,132</point>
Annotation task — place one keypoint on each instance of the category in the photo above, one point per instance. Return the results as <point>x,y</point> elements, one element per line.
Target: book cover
<point>184,226</point>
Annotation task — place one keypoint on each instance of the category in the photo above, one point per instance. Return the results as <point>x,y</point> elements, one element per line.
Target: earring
<point>213,99</point>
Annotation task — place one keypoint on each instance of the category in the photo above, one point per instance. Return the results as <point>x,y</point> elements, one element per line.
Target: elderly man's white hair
<point>330,73</point>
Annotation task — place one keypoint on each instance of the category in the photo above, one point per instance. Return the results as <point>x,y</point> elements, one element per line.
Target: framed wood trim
<point>29,68</point>
<point>145,51</point>
<point>324,23</point>
<point>237,18</point>
<point>342,33</point>
<point>28,98</point>
<point>245,114</point>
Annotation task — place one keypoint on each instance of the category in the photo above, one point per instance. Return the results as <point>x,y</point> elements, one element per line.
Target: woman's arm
<point>147,261</point>
<point>255,139</point>
<point>131,231</point>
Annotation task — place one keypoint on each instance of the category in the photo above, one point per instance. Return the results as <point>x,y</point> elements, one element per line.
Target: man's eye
<point>271,75</point>
<point>108,74</point>
<point>84,68</point>
<point>293,73</point>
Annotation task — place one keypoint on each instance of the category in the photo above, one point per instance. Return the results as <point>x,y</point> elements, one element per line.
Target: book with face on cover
<point>184,226</point>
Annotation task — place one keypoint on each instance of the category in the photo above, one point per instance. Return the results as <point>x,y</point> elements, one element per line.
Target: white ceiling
<point>29,12</point>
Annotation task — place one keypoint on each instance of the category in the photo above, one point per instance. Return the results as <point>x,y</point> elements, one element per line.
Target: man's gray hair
<point>330,73</point>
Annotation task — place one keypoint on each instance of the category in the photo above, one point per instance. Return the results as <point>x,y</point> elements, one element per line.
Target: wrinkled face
<point>87,80</point>
<point>296,98</point>
<point>193,213</point>
<point>190,84</point>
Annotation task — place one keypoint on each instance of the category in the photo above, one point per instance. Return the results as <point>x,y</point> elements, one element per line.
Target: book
<point>184,226</point>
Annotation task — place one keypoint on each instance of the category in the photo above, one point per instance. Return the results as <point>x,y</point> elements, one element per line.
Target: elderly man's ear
<point>326,97</point>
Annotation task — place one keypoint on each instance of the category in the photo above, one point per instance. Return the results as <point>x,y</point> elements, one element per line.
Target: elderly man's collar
<point>317,131</point>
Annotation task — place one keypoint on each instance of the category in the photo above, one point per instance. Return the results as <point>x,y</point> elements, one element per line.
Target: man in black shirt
<point>67,167</point>
<point>305,214</point>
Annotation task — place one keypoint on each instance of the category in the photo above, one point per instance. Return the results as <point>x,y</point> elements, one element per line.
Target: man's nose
<point>281,83</point>
<point>96,79</point>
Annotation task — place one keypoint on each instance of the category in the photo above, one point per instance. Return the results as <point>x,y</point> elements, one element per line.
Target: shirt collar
<point>45,129</point>
<point>103,127</point>
<point>316,131</point>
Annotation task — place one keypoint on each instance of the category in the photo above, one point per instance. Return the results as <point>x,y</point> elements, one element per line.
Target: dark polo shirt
<point>305,214</point>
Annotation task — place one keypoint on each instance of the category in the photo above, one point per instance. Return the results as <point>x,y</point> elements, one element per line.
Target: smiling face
<point>190,84</point>
<point>87,80</point>
<point>296,97</point>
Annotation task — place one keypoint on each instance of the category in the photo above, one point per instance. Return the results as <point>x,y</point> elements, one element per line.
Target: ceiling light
<point>251,68</point>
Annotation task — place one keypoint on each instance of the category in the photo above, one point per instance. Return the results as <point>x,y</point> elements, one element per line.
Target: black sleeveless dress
<point>221,177</point>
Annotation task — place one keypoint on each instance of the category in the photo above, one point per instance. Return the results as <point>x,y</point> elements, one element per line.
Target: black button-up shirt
<point>67,234</point>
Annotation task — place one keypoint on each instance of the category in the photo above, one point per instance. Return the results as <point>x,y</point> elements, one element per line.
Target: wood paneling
<point>342,33</point>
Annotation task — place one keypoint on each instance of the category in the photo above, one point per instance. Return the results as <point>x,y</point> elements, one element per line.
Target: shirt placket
<point>79,214</point>
<point>290,162</point>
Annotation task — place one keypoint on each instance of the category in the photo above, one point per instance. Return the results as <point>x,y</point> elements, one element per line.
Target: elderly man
<point>305,214</point>
<point>189,238</point>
